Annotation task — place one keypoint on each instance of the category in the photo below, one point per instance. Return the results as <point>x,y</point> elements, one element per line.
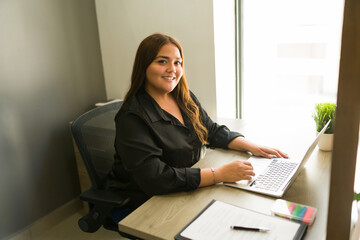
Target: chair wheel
<point>91,222</point>
<point>84,226</point>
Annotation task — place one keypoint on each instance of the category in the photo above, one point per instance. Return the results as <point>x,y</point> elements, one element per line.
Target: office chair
<point>94,135</point>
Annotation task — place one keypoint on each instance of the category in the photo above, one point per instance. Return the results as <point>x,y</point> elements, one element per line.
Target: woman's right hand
<point>235,171</point>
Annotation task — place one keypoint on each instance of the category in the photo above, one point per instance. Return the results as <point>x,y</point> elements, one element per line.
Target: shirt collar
<point>151,107</point>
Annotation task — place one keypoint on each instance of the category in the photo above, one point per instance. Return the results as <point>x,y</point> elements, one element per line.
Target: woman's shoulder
<point>132,108</point>
<point>194,98</point>
<point>192,95</point>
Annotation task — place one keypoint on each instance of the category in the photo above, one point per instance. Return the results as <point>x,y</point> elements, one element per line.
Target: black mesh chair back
<point>94,135</point>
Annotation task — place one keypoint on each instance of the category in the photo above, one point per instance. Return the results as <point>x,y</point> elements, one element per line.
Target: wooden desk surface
<point>162,217</point>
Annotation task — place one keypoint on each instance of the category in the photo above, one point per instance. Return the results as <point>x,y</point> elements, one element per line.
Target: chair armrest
<point>104,197</point>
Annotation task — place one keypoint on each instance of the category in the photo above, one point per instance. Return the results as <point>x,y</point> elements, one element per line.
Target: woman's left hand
<point>243,144</point>
<point>262,151</point>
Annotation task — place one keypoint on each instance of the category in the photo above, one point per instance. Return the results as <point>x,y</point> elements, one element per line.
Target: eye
<point>178,63</point>
<point>162,61</point>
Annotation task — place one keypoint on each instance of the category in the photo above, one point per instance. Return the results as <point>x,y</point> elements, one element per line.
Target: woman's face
<point>164,73</point>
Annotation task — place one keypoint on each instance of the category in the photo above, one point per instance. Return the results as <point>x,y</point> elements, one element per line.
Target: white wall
<point>123,24</point>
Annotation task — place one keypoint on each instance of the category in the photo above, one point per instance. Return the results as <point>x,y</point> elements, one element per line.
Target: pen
<point>249,229</point>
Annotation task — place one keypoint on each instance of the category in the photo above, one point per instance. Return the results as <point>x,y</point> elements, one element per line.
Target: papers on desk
<point>215,220</point>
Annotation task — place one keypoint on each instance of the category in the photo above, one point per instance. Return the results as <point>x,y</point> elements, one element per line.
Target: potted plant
<point>322,114</point>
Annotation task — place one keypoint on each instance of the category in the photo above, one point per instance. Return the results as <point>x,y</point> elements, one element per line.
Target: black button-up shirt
<point>155,151</point>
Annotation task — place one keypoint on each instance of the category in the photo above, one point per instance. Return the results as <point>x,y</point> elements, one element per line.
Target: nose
<point>171,68</point>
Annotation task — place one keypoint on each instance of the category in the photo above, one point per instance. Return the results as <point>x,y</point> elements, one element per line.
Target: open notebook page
<point>215,221</point>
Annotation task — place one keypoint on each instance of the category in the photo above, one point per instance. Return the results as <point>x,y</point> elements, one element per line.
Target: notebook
<point>215,220</point>
<point>274,176</point>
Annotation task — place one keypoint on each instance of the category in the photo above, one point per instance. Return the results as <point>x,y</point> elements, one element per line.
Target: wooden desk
<point>162,217</point>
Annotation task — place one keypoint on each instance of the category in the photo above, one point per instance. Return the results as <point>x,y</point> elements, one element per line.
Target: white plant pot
<point>326,142</point>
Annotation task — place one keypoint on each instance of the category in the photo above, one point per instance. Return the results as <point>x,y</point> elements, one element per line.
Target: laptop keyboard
<point>274,177</point>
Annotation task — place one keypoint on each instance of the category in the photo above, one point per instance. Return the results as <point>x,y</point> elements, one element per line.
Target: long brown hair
<point>146,53</point>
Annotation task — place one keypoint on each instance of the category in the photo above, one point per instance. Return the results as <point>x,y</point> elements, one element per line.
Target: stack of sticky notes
<point>294,211</point>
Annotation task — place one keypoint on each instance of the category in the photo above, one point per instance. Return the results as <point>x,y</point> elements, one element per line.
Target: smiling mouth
<point>169,78</point>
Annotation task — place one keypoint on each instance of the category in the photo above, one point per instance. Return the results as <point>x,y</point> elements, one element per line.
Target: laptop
<point>274,176</point>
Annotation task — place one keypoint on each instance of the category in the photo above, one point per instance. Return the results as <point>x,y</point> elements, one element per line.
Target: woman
<point>161,129</point>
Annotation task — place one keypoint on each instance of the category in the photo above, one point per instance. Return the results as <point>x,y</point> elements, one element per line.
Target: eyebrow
<point>167,57</point>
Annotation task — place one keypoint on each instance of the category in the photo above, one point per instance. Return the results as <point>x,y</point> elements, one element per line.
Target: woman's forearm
<point>240,144</point>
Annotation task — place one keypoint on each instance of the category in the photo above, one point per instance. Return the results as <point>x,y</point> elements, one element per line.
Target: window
<point>290,56</point>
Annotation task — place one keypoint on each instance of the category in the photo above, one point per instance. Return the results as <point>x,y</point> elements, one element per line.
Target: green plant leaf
<point>357,196</point>
<point>323,112</point>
